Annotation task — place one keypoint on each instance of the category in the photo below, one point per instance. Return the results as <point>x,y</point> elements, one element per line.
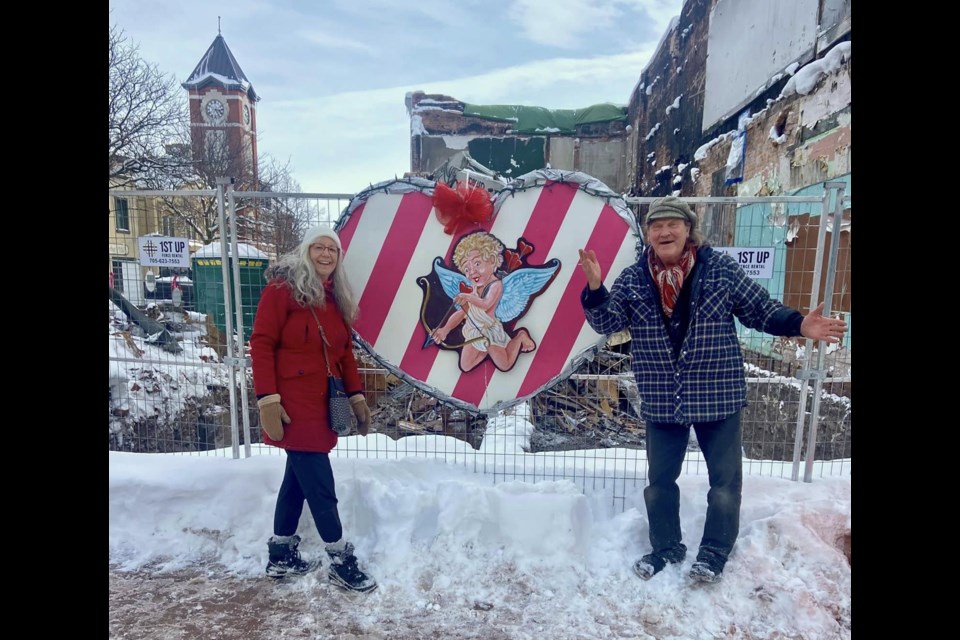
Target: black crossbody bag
<point>341,413</point>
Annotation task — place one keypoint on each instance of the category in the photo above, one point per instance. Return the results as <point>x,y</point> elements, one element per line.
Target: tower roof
<point>218,66</point>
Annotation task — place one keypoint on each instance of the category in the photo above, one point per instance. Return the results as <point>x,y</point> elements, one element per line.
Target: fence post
<point>806,372</point>
<point>839,188</point>
<point>242,362</point>
<point>227,305</point>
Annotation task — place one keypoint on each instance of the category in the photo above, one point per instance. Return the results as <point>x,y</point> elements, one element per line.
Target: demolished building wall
<point>794,137</point>
<point>439,130</point>
<point>797,133</point>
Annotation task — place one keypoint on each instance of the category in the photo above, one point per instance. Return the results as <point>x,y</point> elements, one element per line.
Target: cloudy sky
<point>333,75</point>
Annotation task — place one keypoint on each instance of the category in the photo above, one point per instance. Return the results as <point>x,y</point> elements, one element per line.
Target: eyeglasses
<point>325,249</point>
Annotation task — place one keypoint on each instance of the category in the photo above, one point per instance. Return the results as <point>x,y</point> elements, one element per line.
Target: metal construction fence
<point>180,381</point>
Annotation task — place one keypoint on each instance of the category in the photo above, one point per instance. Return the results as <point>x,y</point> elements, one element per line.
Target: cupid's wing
<point>521,285</point>
<point>450,280</point>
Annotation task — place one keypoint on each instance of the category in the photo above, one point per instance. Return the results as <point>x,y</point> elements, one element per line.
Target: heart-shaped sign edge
<point>532,180</point>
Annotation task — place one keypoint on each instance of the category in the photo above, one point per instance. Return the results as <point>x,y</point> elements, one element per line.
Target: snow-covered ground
<point>459,556</point>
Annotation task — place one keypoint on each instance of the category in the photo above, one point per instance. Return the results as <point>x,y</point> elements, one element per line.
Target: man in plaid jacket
<point>679,302</point>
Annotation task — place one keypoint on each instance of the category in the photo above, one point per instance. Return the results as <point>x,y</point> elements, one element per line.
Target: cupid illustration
<point>493,287</point>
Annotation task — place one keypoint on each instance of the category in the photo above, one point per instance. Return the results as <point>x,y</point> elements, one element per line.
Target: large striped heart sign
<point>487,314</point>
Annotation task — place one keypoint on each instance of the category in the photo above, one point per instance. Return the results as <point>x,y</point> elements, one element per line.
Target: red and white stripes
<point>392,239</point>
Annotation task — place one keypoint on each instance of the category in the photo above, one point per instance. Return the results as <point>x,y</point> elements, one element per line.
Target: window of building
<point>248,154</point>
<point>217,153</point>
<point>169,226</point>
<point>122,213</point>
<point>117,276</point>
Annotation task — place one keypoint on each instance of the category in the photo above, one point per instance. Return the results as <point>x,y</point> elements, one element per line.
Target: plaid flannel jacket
<point>706,381</point>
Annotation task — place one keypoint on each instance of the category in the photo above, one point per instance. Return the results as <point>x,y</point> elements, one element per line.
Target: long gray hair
<point>296,269</point>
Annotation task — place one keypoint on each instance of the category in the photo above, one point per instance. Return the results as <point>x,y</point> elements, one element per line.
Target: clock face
<point>215,111</point>
<point>246,114</point>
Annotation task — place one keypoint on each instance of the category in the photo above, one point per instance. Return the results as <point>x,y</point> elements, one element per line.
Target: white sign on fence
<point>756,261</point>
<point>163,251</point>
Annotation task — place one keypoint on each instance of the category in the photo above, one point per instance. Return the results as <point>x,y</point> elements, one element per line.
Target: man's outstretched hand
<point>818,327</point>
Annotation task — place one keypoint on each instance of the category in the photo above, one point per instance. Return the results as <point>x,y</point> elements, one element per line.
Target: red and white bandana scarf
<point>670,279</point>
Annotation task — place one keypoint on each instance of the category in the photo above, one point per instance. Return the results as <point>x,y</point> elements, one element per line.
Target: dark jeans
<point>308,476</point>
<point>666,446</point>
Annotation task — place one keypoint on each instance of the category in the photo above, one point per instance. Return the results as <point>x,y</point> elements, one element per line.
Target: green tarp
<point>540,120</point>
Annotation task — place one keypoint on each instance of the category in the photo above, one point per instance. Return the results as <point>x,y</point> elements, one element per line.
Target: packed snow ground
<point>457,555</point>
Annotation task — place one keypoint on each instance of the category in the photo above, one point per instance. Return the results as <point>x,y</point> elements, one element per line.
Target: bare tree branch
<point>282,220</point>
<point>145,110</point>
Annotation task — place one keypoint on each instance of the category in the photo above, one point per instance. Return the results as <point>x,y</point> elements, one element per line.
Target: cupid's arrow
<point>429,341</point>
<point>464,288</point>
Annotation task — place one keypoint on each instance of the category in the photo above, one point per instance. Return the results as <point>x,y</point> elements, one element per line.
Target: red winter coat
<point>288,359</point>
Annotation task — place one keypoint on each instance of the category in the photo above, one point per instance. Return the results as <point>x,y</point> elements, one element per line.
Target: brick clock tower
<point>223,117</point>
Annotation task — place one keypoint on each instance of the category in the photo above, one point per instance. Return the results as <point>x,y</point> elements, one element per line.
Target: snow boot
<point>285,558</point>
<point>653,563</point>
<point>344,571</point>
<point>707,568</point>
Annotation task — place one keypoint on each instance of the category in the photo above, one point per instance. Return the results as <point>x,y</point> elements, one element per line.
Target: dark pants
<point>308,476</point>
<point>666,446</point>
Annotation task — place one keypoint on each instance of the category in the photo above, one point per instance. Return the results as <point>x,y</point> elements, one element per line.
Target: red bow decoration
<point>458,209</point>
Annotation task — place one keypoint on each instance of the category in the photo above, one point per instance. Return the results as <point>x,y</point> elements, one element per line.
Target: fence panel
<point>176,388</point>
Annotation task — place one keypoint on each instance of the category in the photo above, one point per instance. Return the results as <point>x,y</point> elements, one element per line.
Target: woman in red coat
<point>307,287</point>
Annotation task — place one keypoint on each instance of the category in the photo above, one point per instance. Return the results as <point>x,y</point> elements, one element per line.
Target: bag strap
<point>323,335</point>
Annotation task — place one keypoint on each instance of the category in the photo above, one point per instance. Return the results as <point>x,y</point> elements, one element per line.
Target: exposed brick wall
<point>659,139</point>
<point>675,135</point>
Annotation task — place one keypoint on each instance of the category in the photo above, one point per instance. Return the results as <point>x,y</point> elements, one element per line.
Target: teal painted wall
<point>510,156</point>
<point>754,229</point>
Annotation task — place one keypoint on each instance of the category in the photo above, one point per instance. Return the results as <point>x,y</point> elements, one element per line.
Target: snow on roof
<point>198,79</point>
<point>218,64</point>
<point>212,250</point>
